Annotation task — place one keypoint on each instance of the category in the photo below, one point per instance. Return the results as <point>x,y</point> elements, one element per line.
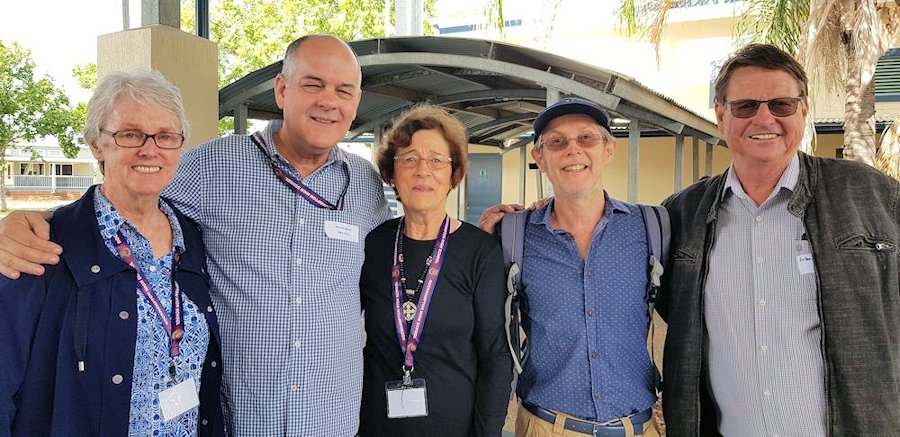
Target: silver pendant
<point>409,311</point>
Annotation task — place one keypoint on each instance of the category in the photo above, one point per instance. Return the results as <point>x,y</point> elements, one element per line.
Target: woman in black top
<point>435,282</point>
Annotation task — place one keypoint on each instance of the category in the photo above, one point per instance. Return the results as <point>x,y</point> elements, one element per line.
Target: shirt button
<point>213,364</point>
<point>152,268</point>
<point>597,395</point>
<point>95,268</point>
<point>301,221</point>
<point>298,300</point>
<point>298,261</point>
<point>594,355</point>
<point>123,315</point>
<point>209,309</point>
<point>762,302</point>
<point>591,313</point>
<point>295,387</point>
<point>204,422</point>
<point>759,261</point>
<point>587,273</point>
<point>117,379</point>
<point>758,219</point>
<point>767,392</point>
<point>764,348</point>
<point>297,343</point>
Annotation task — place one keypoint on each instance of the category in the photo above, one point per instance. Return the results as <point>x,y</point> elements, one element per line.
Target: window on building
<point>887,77</point>
<point>30,168</point>
<point>64,169</point>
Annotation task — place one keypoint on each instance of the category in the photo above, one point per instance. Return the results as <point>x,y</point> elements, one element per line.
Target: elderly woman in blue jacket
<point>120,337</point>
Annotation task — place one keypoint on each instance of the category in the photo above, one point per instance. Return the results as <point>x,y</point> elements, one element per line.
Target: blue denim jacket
<point>851,214</point>
<point>44,324</point>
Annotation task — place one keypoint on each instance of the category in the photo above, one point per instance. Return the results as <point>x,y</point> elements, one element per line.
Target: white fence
<point>50,183</point>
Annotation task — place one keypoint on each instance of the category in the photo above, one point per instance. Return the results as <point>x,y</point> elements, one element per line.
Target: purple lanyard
<point>415,331</point>
<point>293,183</point>
<point>176,332</point>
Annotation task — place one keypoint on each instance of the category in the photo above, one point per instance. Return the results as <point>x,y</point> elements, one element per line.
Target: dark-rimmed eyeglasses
<point>131,139</point>
<point>587,139</point>
<point>435,162</point>
<point>779,107</point>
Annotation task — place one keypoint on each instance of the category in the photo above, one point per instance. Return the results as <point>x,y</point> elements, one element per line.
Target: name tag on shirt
<point>342,231</point>
<point>805,264</point>
<point>177,400</point>
<point>406,400</point>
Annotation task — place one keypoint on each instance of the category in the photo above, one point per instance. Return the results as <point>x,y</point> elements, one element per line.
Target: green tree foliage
<point>30,108</point>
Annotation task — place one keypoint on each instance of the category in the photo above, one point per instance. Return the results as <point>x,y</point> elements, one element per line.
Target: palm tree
<point>839,43</point>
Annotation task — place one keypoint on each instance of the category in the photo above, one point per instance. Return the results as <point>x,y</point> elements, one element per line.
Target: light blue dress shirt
<point>287,293</point>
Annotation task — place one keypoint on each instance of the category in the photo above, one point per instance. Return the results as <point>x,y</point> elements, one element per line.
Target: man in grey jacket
<point>783,300</point>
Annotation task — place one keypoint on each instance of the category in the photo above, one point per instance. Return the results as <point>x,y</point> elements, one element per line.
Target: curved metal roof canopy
<point>496,89</point>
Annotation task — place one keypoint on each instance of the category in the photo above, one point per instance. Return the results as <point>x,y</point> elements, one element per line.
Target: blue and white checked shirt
<point>287,295</point>
<point>589,320</point>
<point>151,348</point>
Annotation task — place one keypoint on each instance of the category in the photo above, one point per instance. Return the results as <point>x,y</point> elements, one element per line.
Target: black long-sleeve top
<point>462,355</point>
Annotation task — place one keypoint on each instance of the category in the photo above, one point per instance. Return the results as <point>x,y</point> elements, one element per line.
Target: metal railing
<point>50,183</point>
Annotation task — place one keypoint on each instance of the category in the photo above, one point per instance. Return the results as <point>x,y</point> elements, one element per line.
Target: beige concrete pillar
<point>190,62</point>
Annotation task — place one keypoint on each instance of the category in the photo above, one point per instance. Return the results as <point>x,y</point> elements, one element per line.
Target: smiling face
<point>320,97</point>
<point>574,170</point>
<point>142,172</point>
<point>423,189</point>
<point>764,139</point>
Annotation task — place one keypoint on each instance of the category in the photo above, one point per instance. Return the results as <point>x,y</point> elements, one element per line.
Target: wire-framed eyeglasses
<point>435,162</point>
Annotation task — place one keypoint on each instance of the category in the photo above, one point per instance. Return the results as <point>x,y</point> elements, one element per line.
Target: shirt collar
<point>542,215</point>
<point>335,154</point>
<point>788,180</point>
<point>110,221</point>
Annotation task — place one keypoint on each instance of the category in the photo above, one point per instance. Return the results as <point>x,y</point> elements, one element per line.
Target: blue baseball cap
<point>570,105</point>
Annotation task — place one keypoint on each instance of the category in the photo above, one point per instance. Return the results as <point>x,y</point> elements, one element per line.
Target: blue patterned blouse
<point>151,355</point>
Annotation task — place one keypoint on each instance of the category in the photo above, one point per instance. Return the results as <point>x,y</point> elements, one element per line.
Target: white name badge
<point>175,401</point>
<point>342,231</point>
<point>805,264</point>
<point>406,400</point>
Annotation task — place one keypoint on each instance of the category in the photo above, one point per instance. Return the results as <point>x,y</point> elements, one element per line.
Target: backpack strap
<point>659,232</point>
<point>512,238</point>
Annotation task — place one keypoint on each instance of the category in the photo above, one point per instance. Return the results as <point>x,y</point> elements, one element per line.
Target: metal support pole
<point>166,12</point>
<point>709,158</point>
<point>126,15</point>
<point>240,119</point>
<point>696,169</point>
<point>201,17</point>
<point>634,137</point>
<point>679,161</point>
<point>523,172</point>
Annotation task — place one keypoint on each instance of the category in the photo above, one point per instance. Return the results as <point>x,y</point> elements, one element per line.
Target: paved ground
<point>37,202</point>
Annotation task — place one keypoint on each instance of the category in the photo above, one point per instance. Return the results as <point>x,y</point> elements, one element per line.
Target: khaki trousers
<point>529,425</point>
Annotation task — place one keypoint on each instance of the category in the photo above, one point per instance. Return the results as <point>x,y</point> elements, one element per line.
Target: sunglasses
<point>779,107</point>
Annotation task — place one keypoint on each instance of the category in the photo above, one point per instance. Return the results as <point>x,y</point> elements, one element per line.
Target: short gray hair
<point>147,86</point>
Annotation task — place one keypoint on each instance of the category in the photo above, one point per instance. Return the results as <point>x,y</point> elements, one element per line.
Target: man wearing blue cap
<point>585,278</point>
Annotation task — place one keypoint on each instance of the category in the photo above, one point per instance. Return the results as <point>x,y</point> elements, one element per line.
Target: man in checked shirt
<point>284,214</point>
<point>782,290</point>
